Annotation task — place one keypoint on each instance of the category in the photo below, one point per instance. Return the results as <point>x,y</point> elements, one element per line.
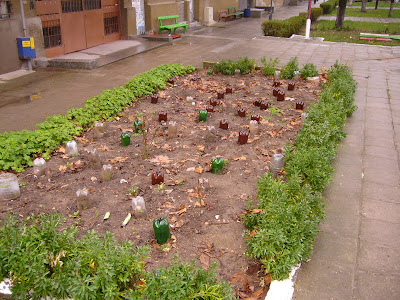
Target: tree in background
<point>364,6</point>
<point>391,8</point>
<point>340,13</point>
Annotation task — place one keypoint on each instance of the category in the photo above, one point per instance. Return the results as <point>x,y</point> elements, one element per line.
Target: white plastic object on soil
<point>304,116</point>
<point>107,173</point>
<point>71,149</point>
<point>253,127</point>
<point>99,130</point>
<point>172,129</point>
<point>9,187</point>
<point>237,72</point>
<point>277,163</point>
<point>277,75</point>
<point>296,75</point>
<point>211,134</point>
<point>83,199</point>
<point>139,207</point>
<point>189,98</point>
<point>94,159</point>
<point>39,166</point>
<point>204,184</point>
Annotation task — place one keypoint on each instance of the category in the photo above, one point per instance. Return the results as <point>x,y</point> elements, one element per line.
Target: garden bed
<point>206,221</point>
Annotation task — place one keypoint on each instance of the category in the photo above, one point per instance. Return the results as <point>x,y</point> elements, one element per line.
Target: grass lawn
<point>371,13</point>
<point>372,4</point>
<point>350,32</point>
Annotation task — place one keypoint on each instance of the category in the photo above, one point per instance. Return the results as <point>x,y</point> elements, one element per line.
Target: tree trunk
<point>340,13</point>
<point>364,6</point>
<point>391,8</point>
<point>376,4</point>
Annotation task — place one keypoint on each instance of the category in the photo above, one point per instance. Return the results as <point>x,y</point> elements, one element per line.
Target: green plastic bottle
<point>203,115</point>
<point>125,138</point>
<point>161,230</point>
<point>217,165</point>
<point>138,126</point>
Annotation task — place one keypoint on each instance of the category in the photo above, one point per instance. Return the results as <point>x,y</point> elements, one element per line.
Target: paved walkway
<point>356,253</point>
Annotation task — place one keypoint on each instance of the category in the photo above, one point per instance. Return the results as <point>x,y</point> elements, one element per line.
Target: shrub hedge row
<point>283,28</point>
<point>19,148</point>
<point>281,235</point>
<point>315,13</point>
<point>329,6</point>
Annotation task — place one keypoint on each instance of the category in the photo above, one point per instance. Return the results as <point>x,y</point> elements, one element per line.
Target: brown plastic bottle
<point>223,124</point>
<point>157,177</point>
<point>243,137</point>
<point>241,112</point>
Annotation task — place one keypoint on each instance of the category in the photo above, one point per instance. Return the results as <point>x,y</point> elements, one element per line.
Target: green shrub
<point>228,67</point>
<point>288,70</point>
<point>329,6</point>
<point>315,13</point>
<point>281,235</point>
<point>269,66</point>
<point>283,28</point>
<point>309,70</point>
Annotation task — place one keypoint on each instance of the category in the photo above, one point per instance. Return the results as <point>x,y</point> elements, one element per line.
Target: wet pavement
<point>356,252</point>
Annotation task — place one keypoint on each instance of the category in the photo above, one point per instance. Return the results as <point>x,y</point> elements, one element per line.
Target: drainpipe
<point>24,29</point>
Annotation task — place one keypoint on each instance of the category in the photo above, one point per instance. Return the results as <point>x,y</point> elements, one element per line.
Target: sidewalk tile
<point>380,232</point>
<point>372,286</point>
<point>378,258</point>
<point>381,192</point>
<point>381,210</point>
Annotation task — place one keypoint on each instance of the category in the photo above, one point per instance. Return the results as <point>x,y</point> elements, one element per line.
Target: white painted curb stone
<point>282,289</point>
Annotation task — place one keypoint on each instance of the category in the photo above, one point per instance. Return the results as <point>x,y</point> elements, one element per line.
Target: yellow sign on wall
<point>32,43</point>
<point>26,44</point>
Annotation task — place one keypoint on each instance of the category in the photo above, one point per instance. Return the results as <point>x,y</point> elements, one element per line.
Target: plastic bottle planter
<point>256,117</point>
<point>277,75</point>
<point>171,81</point>
<point>157,177</point>
<point>39,166</point>
<point>241,112</point>
<point>125,138</point>
<point>107,172</point>
<point>71,149</point>
<point>223,124</point>
<point>83,199</point>
<point>281,96</point>
<point>172,129</point>
<point>139,208</point>
<point>161,230</point>
<point>243,137</point>
<point>94,159</point>
<point>253,127</point>
<point>204,184</point>
<point>220,95</point>
<point>9,187</point>
<point>98,130</point>
<point>264,105</point>
<point>210,134</point>
<point>138,124</point>
<point>162,116</point>
<point>291,85</point>
<point>237,72</point>
<point>277,163</point>
<point>217,165</point>
<point>154,98</point>
<point>213,102</point>
<point>275,91</point>
<point>257,102</point>
<point>209,108</point>
<point>300,105</point>
<point>304,116</point>
<point>276,83</point>
<point>203,115</point>
<point>296,75</point>
<point>228,90</point>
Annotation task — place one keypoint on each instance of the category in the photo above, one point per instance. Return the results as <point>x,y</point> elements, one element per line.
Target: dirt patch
<point>205,221</point>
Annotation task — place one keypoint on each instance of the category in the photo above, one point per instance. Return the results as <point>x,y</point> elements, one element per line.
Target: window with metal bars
<point>69,6</point>
<point>111,23</point>
<point>92,4</point>
<point>5,9</point>
<point>51,33</point>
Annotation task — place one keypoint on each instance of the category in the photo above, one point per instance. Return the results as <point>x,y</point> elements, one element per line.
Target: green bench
<point>232,11</point>
<point>171,26</point>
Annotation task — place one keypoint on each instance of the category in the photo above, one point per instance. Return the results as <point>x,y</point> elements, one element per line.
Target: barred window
<point>111,23</point>
<point>51,33</point>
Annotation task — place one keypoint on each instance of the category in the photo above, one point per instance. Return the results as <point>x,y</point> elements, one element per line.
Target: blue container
<point>26,47</point>
<point>247,12</point>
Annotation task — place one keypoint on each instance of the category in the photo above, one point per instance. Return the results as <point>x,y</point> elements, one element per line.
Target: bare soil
<point>205,222</point>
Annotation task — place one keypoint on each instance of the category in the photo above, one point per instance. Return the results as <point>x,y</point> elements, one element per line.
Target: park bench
<point>171,27</point>
<point>223,14</point>
<point>232,11</point>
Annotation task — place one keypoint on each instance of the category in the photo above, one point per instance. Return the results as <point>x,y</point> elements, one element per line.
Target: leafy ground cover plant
<point>228,67</point>
<point>309,70</point>
<point>20,148</point>
<point>270,66</point>
<point>287,70</point>
<point>282,227</point>
<point>44,259</point>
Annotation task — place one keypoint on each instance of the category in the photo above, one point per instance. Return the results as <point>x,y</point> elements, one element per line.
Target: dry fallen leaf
<point>240,158</point>
<point>257,210</point>
<point>205,261</point>
<point>182,210</point>
<point>253,232</point>
<point>117,159</point>
<point>160,159</point>
<point>200,148</point>
<point>199,169</point>
<point>179,224</point>
<point>267,279</point>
